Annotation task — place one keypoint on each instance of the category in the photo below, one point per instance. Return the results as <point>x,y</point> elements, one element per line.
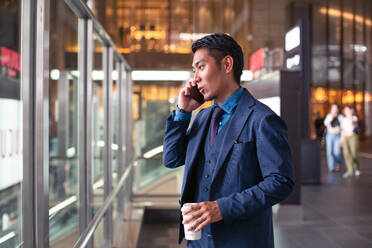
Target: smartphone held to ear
<point>196,95</point>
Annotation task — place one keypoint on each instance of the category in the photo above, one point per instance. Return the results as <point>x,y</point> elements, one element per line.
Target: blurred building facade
<point>158,34</point>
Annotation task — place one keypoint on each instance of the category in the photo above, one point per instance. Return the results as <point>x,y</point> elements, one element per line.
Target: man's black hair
<point>220,45</point>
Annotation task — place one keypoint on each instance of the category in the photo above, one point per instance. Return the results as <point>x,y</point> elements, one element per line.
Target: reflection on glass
<point>98,128</point>
<point>115,129</point>
<point>99,239</point>
<point>348,40</point>
<point>11,154</point>
<point>63,156</point>
<point>152,105</point>
<point>319,50</point>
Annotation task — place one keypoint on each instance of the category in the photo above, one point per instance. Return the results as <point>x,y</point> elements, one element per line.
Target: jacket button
<point>206,175</point>
<point>208,161</point>
<point>210,236</point>
<point>205,189</point>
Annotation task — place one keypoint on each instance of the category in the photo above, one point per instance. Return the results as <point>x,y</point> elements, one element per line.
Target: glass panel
<point>348,44</point>
<point>115,122</point>
<point>63,156</point>
<point>319,49</point>
<point>115,142</point>
<point>99,239</point>
<point>116,216</point>
<point>334,37</point>
<point>98,126</point>
<point>360,48</point>
<point>155,103</point>
<point>11,154</point>
<point>368,93</point>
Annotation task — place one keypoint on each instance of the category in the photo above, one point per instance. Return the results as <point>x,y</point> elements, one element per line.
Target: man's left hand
<point>201,214</point>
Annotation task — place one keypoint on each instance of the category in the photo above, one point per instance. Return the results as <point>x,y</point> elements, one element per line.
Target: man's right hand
<point>185,101</point>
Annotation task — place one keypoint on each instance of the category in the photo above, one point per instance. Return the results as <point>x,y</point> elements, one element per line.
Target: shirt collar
<point>230,103</point>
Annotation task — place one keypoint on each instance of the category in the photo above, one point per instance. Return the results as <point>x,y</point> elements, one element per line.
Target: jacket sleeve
<point>275,162</point>
<point>175,143</point>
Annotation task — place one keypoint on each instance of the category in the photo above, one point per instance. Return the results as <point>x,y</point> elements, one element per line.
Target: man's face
<point>207,74</point>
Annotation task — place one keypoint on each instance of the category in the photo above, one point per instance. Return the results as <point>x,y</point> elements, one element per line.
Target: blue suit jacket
<point>253,172</point>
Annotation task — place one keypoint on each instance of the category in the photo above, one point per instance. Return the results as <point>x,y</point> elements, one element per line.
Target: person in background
<point>332,123</point>
<point>319,127</point>
<point>350,142</point>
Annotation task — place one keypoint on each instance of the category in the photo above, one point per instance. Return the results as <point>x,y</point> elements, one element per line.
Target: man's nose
<point>196,77</point>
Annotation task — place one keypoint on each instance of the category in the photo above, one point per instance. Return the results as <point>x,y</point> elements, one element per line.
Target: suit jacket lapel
<point>234,128</point>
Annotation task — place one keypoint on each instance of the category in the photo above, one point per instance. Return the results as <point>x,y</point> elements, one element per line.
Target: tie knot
<point>217,112</point>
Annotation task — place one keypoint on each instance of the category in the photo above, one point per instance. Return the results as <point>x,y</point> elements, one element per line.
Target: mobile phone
<point>196,95</point>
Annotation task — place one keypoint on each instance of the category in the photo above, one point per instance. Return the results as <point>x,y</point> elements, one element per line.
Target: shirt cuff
<point>179,116</point>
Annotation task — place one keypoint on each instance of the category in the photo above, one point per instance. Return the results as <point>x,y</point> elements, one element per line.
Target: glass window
<point>348,39</point>
<point>11,154</point>
<point>115,122</point>
<point>99,239</point>
<point>98,125</point>
<point>154,103</point>
<point>360,48</point>
<point>319,49</point>
<point>334,37</point>
<point>63,109</point>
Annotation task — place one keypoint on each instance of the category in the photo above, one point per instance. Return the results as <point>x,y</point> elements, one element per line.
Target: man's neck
<point>227,92</point>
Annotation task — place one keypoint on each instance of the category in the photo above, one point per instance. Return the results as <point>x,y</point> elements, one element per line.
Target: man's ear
<point>228,64</point>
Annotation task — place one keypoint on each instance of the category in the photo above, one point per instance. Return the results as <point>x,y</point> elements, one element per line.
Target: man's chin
<point>208,98</point>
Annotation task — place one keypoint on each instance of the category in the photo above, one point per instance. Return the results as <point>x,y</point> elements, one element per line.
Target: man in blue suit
<point>238,163</point>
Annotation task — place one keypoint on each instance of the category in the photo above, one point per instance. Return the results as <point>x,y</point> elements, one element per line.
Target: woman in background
<point>350,142</point>
<point>332,123</point>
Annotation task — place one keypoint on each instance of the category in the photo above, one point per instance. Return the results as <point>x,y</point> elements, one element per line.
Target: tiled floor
<point>337,214</point>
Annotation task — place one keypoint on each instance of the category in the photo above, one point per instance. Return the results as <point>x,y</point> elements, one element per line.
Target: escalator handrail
<point>93,224</point>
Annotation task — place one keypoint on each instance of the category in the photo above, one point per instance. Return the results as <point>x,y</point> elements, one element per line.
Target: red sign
<point>257,60</point>
<point>10,58</point>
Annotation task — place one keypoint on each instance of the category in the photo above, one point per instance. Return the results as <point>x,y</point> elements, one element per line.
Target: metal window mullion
<point>107,92</point>
<point>35,98</point>
<point>129,145</point>
<point>27,80</point>
<point>85,58</point>
<point>120,69</point>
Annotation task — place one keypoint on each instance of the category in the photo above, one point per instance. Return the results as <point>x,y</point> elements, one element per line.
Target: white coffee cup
<point>190,235</point>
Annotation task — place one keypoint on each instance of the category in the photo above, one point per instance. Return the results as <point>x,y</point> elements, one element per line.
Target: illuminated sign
<point>10,62</point>
<point>11,156</point>
<point>257,60</point>
<point>293,62</point>
<point>292,38</point>
<point>292,48</point>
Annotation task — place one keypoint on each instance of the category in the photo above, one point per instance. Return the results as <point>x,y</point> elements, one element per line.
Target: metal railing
<point>93,224</point>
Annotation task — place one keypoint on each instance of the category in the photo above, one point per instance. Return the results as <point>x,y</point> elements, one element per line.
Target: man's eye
<point>201,67</point>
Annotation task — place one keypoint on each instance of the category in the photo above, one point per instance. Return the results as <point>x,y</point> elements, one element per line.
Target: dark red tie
<point>216,116</point>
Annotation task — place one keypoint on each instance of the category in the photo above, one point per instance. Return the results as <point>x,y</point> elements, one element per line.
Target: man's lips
<point>201,89</point>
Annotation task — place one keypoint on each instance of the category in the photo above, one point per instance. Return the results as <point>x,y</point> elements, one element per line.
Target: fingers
<point>188,87</point>
<point>202,225</point>
<point>200,222</point>
<point>190,213</point>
